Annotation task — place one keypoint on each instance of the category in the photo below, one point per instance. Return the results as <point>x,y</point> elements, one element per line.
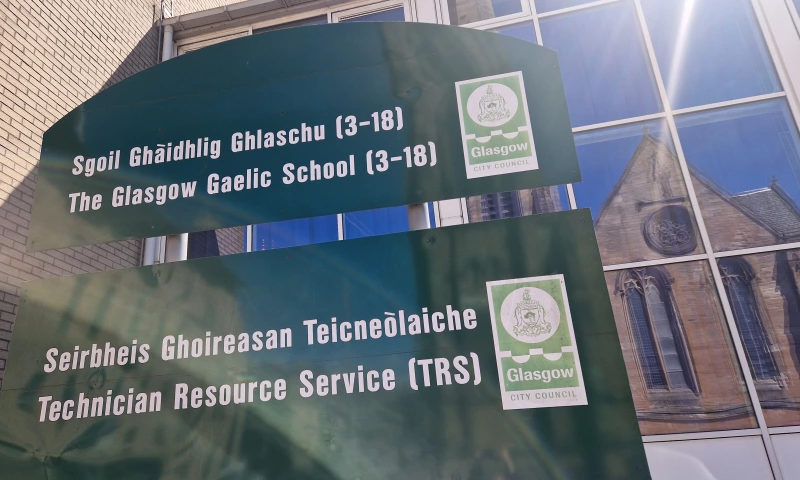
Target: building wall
<point>230,240</point>
<point>650,182</point>
<point>732,229</point>
<point>776,279</point>
<point>53,57</point>
<point>721,400</point>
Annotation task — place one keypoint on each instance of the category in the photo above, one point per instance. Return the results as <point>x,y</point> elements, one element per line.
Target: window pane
<point>514,204</point>
<point>709,51</point>
<point>766,304</point>
<point>463,12</point>
<point>203,244</point>
<point>292,233</point>
<point>523,31</point>
<point>632,184</point>
<point>299,23</point>
<point>550,5</point>
<point>375,222</point>
<point>745,168</point>
<point>393,15</point>
<point>720,400</point>
<point>431,214</point>
<point>646,351</point>
<point>607,75</point>
<point>660,316</point>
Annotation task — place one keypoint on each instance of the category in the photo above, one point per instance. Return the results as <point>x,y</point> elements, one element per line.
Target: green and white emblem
<point>537,357</point>
<point>495,125</point>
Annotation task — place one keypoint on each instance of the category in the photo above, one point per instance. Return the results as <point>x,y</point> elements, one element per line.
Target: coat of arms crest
<point>493,106</point>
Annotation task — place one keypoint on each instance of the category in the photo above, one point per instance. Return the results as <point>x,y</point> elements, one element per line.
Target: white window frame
<point>185,46</point>
<point>293,17</point>
<point>365,8</point>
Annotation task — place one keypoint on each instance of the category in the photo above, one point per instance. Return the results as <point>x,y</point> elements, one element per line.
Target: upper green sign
<point>304,122</point>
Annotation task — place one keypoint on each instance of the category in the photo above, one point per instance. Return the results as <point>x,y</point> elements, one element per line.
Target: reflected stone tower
<point>514,204</point>
<point>469,11</point>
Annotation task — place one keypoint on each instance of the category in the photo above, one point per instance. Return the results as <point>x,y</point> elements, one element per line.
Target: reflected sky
<point>523,31</point>
<point>293,233</point>
<point>607,75</point>
<point>742,148</point>
<point>709,51</point>
<point>375,222</point>
<point>550,5</point>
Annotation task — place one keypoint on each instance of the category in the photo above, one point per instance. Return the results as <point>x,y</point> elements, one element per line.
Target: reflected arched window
<point>657,333</point>
<point>737,275</point>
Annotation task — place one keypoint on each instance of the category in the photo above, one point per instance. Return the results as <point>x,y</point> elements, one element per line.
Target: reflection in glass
<point>391,15</point>
<point>321,20</point>
<point>550,5</point>
<point>375,222</point>
<point>293,233</point>
<point>202,244</point>
<point>763,293</point>
<point>738,276</point>
<point>681,364</point>
<point>514,204</point>
<point>632,184</point>
<point>607,75</point>
<point>657,331</point>
<point>463,12</point>
<point>745,167</point>
<point>709,51</point>
<point>523,31</point>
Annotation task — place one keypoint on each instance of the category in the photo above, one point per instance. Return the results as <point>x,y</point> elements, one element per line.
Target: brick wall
<point>54,55</point>
<point>182,7</point>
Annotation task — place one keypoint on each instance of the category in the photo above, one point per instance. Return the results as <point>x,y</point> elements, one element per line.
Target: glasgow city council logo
<point>495,125</point>
<point>530,315</point>
<point>537,357</point>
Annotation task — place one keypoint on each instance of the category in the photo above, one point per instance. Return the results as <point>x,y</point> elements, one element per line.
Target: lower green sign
<point>482,351</point>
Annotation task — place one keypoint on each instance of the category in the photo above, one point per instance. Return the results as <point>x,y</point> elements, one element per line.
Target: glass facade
<point>709,51</point>
<point>294,233</point>
<point>463,12</point>
<point>523,31</point>
<point>679,116</point>
<point>606,72</point>
<point>745,162</point>
<point>682,365</point>
<point>690,154</point>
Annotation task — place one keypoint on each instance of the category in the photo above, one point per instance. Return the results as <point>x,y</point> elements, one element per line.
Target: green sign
<point>534,339</point>
<point>495,126</point>
<point>422,355</point>
<point>304,122</point>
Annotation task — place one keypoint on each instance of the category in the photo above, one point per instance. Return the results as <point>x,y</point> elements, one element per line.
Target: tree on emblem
<point>493,106</point>
<point>531,317</point>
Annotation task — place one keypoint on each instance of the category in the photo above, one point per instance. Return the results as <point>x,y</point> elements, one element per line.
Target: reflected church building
<point>678,351</point>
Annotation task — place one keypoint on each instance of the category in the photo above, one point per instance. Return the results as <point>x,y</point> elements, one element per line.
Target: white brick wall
<point>54,55</point>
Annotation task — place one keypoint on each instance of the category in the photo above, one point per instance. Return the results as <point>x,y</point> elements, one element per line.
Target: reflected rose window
<point>670,231</point>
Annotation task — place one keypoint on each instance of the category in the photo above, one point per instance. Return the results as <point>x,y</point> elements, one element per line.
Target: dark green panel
<point>450,431</point>
<point>278,81</point>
